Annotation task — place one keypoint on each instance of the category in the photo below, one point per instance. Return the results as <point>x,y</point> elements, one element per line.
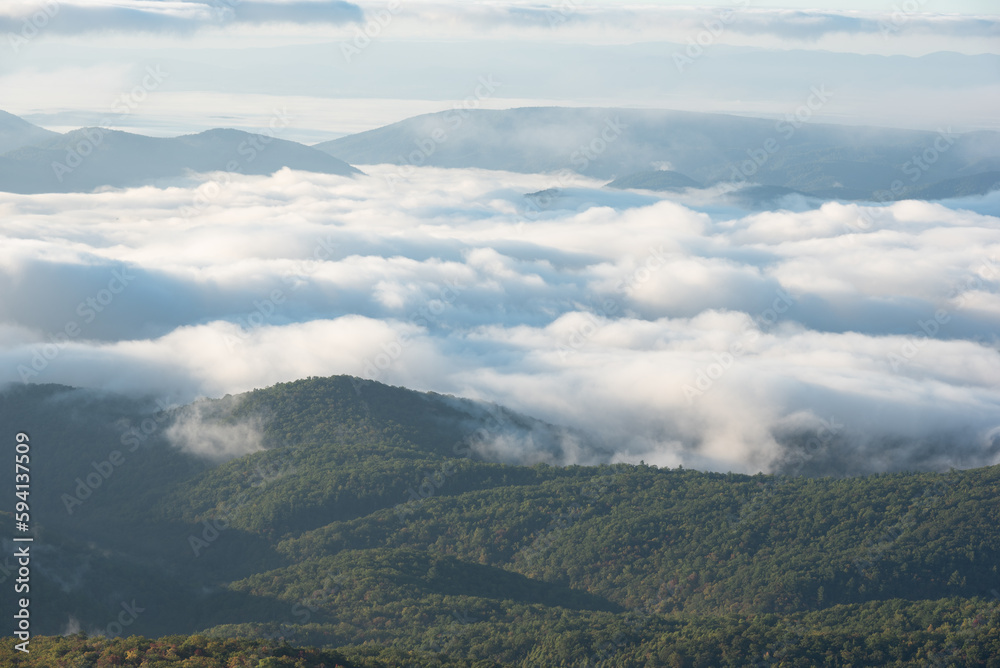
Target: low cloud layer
<point>839,339</point>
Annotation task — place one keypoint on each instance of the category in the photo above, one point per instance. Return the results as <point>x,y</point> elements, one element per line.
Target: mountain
<point>344,513</point>
<point>16,132</point>
<point>90,158</point>
<point>845,162</point>
<point>964,186</point>
<point>822,161</point>
<point>764,197</point>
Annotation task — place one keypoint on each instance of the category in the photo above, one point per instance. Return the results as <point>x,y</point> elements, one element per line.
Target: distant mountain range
<point>627,145</point>
<point>34,160</point>
<point>666,151</point>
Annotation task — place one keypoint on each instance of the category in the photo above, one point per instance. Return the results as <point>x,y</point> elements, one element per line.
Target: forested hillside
<point>368,521</point>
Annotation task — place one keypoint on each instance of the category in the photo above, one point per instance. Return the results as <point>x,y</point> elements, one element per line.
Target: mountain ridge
<point>89,158</point>
<point>825,161</point>
<point>609,143</point>
<point>16,132</point>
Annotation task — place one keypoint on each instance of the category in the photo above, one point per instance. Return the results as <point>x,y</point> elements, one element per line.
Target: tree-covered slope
<point>350,514</point>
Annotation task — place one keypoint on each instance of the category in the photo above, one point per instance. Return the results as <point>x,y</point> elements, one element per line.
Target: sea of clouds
<point>679,330</point>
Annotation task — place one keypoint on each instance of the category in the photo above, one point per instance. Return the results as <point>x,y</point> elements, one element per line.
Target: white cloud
<point>667,333</point>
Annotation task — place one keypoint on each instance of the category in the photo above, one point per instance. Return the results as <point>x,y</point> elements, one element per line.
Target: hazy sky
<point>342,67</point>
